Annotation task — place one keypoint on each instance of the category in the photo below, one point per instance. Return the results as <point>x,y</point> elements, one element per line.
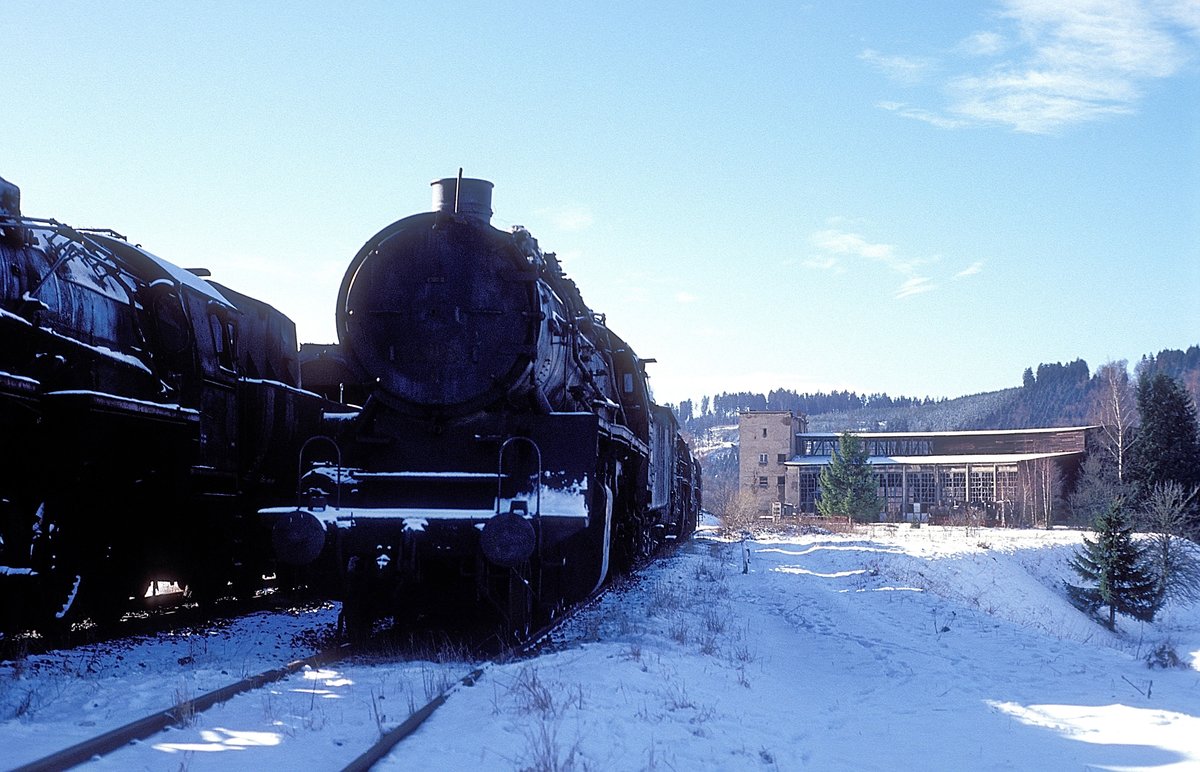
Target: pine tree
<point>1114,568</point>
<point>847,485</point>
<point>1167,448</point>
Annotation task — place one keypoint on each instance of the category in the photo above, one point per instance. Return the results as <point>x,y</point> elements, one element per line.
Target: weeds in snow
<point>664,599</point>
<point>714,620</point>
<point>680,631</point>
<point>533,695</point>
<point>545,754</point>
<point>184,711</point>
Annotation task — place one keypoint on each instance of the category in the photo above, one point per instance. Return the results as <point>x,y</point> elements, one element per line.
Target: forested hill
<point>1052,395</point>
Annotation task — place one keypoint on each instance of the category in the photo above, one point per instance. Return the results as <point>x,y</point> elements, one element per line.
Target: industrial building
<point>1004,477</point>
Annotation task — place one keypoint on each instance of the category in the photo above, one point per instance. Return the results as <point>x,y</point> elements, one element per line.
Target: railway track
<point>183,712</point>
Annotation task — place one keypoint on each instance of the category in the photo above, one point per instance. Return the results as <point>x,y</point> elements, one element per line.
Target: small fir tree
<point>847,485</point>
<point>1114,568</point>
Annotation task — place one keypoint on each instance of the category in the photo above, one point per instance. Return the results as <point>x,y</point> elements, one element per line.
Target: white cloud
<point>914,286</point>
<point>685,297</point>
<point>833,241</point>
<point>909,70</point>
<point>970,270</point>
<point>1066,62</point>
<point>840,247</point>
<point>569,218</point>
<point>843,243</point>
<point>941,121</point>
<point>822,263</point>
<point>983,44</point>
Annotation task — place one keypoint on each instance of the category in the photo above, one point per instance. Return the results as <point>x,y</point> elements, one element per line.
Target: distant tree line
<point>724,408</point>
<point>1053,394</point>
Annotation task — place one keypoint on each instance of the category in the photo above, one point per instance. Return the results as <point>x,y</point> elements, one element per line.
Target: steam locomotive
<point>498,447</point>
<point>145,416</point>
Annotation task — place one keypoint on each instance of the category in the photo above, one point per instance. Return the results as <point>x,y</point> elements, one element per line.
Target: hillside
<point>1051,395</point>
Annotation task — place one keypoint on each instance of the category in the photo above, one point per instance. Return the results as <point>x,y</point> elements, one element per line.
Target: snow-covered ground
<point>893,648</point>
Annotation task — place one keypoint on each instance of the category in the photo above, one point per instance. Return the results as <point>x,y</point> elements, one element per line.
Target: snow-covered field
<point>890,649</point>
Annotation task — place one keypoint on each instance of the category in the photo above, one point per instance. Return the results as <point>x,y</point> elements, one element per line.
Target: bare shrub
<point>544,752</point>
<point>1164,656</point>
<point>532,695</point>
<point>715,620</point>
<point>679,631</point>
<point>184,711</point>
<point>664,598</point>
<point>740,515</point>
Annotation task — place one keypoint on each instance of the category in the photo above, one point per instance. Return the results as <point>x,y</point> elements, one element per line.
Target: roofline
<point>965,458</point>
<point>965,433</point>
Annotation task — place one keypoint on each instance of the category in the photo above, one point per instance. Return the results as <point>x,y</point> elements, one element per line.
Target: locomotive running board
<point>111,403</point>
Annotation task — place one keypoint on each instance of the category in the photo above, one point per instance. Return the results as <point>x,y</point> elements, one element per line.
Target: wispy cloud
<point>822,263</point>
<point>840,242</point>
<point>902,69</point>
<point>982,44</point>
<point>684,296</point>
<point>970,270</point>
<point>569,218</point>
<point>837,246</point>
<point>840,249</point>
<point>915,286</point>
<point>1050,64</point>
<point>916,113</point>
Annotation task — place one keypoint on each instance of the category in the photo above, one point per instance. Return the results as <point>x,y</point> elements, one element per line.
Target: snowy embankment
<point>894,648</point>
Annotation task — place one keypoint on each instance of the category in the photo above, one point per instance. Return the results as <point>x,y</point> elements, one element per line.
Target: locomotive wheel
<point>72,585</point>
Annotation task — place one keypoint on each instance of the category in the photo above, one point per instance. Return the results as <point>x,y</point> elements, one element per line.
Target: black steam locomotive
<point>507,453</point>
<point>145,416</point>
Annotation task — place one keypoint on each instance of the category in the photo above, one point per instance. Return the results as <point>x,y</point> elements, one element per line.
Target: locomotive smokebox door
<point>508,539</point>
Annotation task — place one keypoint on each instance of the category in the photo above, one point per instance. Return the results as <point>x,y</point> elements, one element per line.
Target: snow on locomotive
<point>507,453</point>
<point>145,416</point>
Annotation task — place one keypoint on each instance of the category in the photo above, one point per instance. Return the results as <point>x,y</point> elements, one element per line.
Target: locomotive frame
<point>146,415</point>
<point>507,456</point>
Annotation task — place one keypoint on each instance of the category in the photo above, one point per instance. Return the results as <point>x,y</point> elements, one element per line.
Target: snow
<point>20,379</point>
<point>170,407</point>
<point>104,351</point>
<point>14,318</point>
<point>279,385</point>
<point>336,516</point>
<point>177,274</point>
<point>890,648</point>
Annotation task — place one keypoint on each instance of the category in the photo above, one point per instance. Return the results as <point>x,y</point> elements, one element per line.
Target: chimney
<point>465,196</point>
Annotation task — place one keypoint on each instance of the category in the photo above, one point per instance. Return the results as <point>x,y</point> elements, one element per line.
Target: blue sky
<point>917,198</point>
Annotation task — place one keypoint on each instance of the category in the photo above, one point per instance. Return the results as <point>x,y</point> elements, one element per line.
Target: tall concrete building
<point>766,443</point>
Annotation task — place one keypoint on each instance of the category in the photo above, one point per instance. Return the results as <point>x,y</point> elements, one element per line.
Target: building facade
<point>766,444</point>
<point>1006,477</point>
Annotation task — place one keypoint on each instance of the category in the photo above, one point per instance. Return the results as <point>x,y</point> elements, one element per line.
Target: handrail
<point>300,468</point>
<point>500,472</point>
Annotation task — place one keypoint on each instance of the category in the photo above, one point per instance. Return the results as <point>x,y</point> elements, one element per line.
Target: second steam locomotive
<point>498,445</point>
